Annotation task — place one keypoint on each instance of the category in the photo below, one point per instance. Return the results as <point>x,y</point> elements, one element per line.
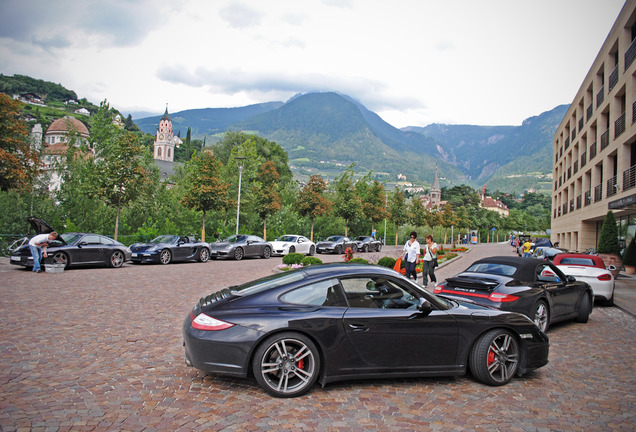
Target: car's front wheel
<point>267,252</point>
<point>165,257</point>
<point>292,249</point>
<point>312,250</point>
<point>61,258</point>
<point>117,259</point>
<point>204,255</point>
<point>541,316</point>
<point>379,248</point>
<point>238,253</point>
<point>365,248</point>
<point>586,309</point>
<point>286,364</point>
<point>495,357</point>
<point>337,250</point>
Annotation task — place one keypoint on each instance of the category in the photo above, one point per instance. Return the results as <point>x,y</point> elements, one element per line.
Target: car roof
<point>526,267</point>
<point>596,259</point>
<point>353,269</point>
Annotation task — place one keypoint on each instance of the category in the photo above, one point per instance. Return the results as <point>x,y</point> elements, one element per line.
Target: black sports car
<point>533,287</point>
<point>241,246</point>
<point>368,244</point>
<point>336,244</point>
<point>168,248</point>
<point>345,321</point>
<point>74,249</point>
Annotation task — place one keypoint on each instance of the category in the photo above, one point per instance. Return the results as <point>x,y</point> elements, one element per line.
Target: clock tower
<point>165,142</point>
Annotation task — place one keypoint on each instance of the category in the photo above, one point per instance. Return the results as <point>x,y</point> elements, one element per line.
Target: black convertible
<point>533,287</point>
<point>345,321</point>
<point>74,249</point>
<point>368,244</point>
<point>170,248</point>
<point>336,244</point>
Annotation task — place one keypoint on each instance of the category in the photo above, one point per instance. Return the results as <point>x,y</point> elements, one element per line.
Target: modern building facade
<point>595,145</point>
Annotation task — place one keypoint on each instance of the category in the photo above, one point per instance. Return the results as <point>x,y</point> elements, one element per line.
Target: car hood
<point>222,245</point>
<point>39,225</point>
<point>145,246</point>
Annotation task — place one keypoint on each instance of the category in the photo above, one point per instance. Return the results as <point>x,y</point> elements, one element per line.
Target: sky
<point>413,62</point>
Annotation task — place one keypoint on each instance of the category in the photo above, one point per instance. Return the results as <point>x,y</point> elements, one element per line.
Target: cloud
<point>239,15</point>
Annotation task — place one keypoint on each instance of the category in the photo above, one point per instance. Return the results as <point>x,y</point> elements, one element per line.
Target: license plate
<point>134,255</point>
<point>15,258</point>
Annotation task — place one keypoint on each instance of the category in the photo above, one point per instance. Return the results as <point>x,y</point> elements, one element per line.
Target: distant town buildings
<point>492,204</point>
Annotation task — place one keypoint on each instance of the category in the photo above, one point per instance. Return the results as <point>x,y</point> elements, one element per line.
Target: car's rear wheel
<point>286,364</point>
<point>312,250</point>
<point>495,357</point>
<point>267,252</point>
<point>61,258</point>
<point>354,248</point>
<point>609,301</point>
<point>586,308</point>
<point>117,259</point>
<point>365,248</point>
<point>204,255</point>
<point>541,315</point>
<point>238,254</point>
<point>165,256</point>
<point>379,248</point>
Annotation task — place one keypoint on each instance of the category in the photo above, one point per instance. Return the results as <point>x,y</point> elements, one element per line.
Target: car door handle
<point>358,327</point>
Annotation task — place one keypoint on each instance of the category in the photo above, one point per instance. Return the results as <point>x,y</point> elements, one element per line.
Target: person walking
<point>38,245</point>
<point>411,256</point>
<point>429,261</point>
<point>527,248</point>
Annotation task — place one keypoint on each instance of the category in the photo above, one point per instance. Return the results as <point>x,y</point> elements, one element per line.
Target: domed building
<point>57,138</point>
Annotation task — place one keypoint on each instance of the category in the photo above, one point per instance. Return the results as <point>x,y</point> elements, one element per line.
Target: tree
<point>19,162</point>
<point>312,202</point>
<point>371,192</point>
<point>203,187</point>
<point>348,203</point>
<point>608,239</point>
<point>417,212</point>
<point>267,199</point>
<point>397,210</point>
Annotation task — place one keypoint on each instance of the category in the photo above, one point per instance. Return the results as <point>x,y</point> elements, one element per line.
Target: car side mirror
<point>424,307</point>
<point>570,279</point>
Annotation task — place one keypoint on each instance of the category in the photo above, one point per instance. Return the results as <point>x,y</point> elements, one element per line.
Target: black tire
<point>61,258</point>
<point>365,248</point>
<point>292,249</point>
<point>204,255</point>
<point>117,259</point>
<point>238,254</point>
<point>337,250</point>
<point>541,315</point>
<point>267,252</point>
<point>165,256</point>
<point>354,248</point>
<point>379,248</point>
<point>494,359</point>
<point>286,364</point>
<point>312,250</point>
<point>585,309</point>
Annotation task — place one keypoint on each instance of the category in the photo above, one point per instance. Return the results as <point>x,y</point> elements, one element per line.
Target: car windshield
<point>492,268</point>
<point>361,238</point>
<point>334,238</point>
<point>71,238</point>
<point>268,282</point>
<point>236,238</point>
<point>286,238</point>
<point>577,261</point>
<point>164,239</point>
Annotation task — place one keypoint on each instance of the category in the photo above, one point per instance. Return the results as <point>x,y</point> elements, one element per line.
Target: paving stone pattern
<point>101,349</point>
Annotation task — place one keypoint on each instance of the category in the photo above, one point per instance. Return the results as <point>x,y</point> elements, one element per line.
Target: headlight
<point>153,248</point>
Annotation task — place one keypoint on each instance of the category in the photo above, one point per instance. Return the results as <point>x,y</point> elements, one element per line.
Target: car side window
<point>547,274</point>
<point>377,293</point>
<point>106,240</point>
<point>324,293</point>
<point>91,239</point>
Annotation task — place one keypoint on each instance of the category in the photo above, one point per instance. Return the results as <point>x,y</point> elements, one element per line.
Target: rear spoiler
<point>472,283</point>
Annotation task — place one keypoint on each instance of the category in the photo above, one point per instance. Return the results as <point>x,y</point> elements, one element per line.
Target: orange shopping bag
<point>398,265</point>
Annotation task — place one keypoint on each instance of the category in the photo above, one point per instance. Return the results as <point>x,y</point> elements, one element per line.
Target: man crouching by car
<point>38,245</point>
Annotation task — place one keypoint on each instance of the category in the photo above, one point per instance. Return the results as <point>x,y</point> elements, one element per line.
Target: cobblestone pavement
<point>101,349</point>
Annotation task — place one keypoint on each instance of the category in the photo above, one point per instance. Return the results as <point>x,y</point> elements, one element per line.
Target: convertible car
<point>533,287</point>
<point>590,269</point>
<point>332,322</point>
<point>74,249</point>
<point>170,248</point>
<point>241,246</point>
<point>336,244</point>
<point>368,244</point>
<point>287,244</point>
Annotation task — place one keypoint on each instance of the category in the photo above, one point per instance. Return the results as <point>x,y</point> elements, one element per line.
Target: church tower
<point>164,144</point>
<point>436,191</point>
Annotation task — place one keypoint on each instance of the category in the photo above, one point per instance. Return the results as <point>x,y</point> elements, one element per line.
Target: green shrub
<point>386,262</point>
<point>307,261</point>
<point>358,261</point>
<point>608,239</point>
<point>293,258</point>
<point>630,253</point>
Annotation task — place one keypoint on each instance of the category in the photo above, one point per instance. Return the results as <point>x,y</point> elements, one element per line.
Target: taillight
<point>502,298</point>
<point>206,322</point>
<point>605,277</point>
<point>438,289</point>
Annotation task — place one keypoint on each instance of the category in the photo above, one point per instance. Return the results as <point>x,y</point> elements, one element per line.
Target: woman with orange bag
<point>411,256</point>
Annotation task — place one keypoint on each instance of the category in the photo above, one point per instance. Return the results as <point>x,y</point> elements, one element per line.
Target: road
<point>101,349</point>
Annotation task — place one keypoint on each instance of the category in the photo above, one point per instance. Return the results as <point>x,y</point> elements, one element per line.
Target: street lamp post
<point>386,209</point>
<point>238,204</point>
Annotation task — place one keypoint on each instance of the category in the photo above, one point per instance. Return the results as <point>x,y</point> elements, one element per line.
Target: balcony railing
<point>598,192</point>
<point>583,159</point>
<point>634,112</point>
<point>573,133</point>
<point>576,167</point>
<point>579,199</point>
<point>593,151</point>
<point>565,208</point>
<point>590,111</point>
<point>619,126</point>
<point>629,178</point>
<point>630,54</point>
<point>604,140</point>
<point>581,124</point>
<point>600,96</point>
<point>569,173</point>
<point>567,142</point>
<point>588,198</point>
<point>572,205</point>
<point>613,78</point>
<point>612,187</point>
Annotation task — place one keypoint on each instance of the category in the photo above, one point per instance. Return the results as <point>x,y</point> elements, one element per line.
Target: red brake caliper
<point>491,356</point>
<point>301,364</point>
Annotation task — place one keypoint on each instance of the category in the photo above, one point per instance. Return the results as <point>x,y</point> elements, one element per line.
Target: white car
<point>287,244</point>
<point>589,269</point>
